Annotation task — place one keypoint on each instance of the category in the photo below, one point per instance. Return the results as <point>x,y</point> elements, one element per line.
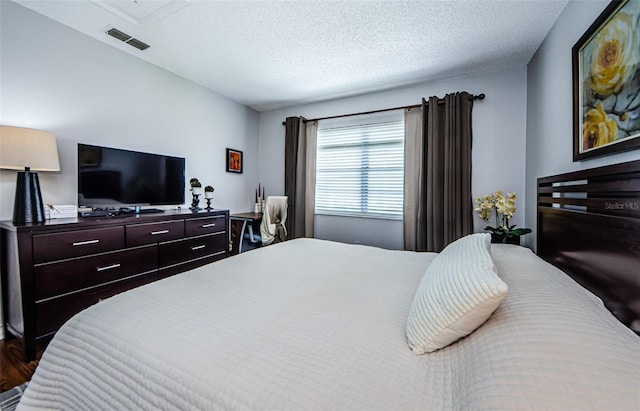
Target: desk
<point>240,225</point>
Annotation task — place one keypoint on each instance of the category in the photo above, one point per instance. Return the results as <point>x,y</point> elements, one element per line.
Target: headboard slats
<point>629,168</point>
<point>610,206</point>
<point>589,226</point>
<point>630,185</point>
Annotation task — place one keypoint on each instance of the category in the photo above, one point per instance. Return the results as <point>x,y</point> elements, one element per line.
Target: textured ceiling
<point>269,54</point>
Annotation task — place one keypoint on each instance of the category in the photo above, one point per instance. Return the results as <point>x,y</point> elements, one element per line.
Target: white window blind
<point>360,170</point>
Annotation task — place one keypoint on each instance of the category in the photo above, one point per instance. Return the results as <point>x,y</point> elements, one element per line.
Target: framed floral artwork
<point>234,161</point>
<point>606,83</point>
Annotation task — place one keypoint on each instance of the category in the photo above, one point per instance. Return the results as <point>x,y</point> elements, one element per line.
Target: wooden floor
<point>13,370</point>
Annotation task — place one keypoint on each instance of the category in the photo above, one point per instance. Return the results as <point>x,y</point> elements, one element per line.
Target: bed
<point>313,324</point>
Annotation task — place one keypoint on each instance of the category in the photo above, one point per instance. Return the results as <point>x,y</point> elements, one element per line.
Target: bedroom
<point>75,87</point>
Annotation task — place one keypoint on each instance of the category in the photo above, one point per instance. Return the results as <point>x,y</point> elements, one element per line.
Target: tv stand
<point>53,270</point>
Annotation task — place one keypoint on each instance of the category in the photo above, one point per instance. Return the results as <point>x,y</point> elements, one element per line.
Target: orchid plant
<point>503,207</point>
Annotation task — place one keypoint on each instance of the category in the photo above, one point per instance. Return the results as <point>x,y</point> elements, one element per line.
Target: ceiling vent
<point>127,39</point>
<point>138,44</point>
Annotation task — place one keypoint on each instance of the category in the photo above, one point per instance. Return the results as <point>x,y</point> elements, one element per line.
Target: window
<point>360,168</point>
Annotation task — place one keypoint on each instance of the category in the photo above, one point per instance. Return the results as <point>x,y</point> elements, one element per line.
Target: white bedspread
<point>311,324</point>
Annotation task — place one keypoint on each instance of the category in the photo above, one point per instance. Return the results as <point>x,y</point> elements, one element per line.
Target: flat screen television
<point>112,177</point>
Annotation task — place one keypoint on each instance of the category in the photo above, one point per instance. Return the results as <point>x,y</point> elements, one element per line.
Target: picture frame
<point>606,83</point>
<point>234,161</point>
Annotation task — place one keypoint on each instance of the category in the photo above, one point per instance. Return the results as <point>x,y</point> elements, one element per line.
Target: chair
<point>274,216</point>
<point>251,238</point>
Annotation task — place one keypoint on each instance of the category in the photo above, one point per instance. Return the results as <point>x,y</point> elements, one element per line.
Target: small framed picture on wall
<point>606,83</point>
<point>234,161</point>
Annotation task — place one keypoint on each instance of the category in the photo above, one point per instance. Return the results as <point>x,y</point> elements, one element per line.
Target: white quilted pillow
<point>457,293</point>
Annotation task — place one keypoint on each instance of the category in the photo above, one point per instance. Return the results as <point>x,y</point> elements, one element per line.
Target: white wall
<point>549,105</point>
<point>56,79</point>
<point>498,145</point>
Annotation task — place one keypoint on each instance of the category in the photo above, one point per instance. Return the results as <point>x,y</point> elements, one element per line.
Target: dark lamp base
<point>28,207</point>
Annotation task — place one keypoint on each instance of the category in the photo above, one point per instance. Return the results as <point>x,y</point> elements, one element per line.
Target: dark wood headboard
<point>589,227</point>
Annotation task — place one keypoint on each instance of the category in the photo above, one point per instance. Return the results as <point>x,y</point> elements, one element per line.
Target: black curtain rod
<point>440,101</point>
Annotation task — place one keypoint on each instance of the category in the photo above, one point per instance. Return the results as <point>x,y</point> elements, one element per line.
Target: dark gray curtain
<point>447,134</point>
<point>299,175</point>
<point>445,210</point>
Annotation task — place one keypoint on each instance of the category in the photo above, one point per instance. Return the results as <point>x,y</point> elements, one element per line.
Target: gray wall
<point>56,79</point>
<point>549,105</point>
<point>498,145</point>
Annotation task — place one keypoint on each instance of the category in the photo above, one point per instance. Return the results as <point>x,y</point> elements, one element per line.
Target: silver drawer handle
<point>159,232</point>
<point>198,247</point>
<point>108,267</point>
<point>208,225</point>
<point>85,242</point>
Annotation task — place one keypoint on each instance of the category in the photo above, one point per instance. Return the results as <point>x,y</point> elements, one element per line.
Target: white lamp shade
<point>26,147</point>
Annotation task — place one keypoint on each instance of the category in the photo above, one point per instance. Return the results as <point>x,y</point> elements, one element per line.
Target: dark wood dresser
<point>53,270</point>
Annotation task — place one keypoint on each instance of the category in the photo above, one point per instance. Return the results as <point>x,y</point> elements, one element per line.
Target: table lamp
<point>28,150</point>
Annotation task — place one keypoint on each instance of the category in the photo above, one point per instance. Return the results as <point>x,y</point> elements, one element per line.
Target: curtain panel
<point>299,175</point>
<point>442,210</point>
<point>414,184</point>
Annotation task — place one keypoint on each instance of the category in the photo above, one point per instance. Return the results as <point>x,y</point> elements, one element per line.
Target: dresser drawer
<point>207,225</point>
<point>177,252</point>
<point>51,314</point>
<point>58,246</point>
<point>150,233</point>
<point>62,277</point>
